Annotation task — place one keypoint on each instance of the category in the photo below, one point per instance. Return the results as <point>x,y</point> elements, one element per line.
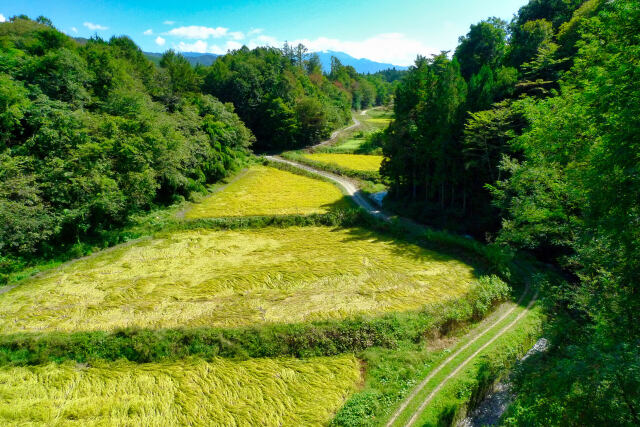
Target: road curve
<point>337,133</point>
<point>348,186</point>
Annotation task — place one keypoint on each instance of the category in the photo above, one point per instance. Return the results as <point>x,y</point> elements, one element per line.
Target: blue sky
<point>387,31</point>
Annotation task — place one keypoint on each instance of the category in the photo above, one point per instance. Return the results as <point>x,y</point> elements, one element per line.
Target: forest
<point>527,136</point>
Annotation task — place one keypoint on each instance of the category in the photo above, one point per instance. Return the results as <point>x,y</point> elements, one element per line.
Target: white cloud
<point>236,35</point>
<point>198,32</point>
<point>232,45</point>
<point>74,29</point>
<point>393,48</point>
<point>202,46</point>
<point>160,41</point>
<point>2,18</point>
<point>94,27</point>
<point>148,32</point>
<point>264,40</point>
<point>169,22</point>
<point>255,31</point>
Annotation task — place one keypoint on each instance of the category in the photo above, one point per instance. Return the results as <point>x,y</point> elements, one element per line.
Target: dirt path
<point>337,133</point>
<point>442,365</point>
<point>442,383</point>
<point>352,190</point>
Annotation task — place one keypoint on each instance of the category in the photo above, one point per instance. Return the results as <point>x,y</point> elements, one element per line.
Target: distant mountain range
<point>363,65</point>
<point>194,58</point>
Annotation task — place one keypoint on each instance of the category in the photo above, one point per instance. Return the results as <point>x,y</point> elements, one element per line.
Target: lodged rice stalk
<point>380,120</point>
<point>357,162</point>
<point>270,191</point>
<point>212,278</point>
<point>270,392</point>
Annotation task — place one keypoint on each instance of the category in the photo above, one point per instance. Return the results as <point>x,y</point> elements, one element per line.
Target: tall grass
<point>271,392</point>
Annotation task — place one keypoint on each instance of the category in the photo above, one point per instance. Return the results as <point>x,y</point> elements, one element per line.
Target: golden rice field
<point>358,162</point>
<point>270,191</point>
<point>269,392</point>
<point>235,278</point>
<point>379,120</point>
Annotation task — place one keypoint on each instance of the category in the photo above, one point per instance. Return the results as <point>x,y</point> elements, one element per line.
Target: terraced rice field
<point>271,392</point>
<point>358,162</point>
<point>379,120</point>
<point>270,191</point>
<point>235,278</point>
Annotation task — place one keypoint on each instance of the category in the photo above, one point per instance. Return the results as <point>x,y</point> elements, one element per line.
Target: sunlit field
<point>272,392</point>
<point>235,278</point>
<point>349,145</point>
<point>379,120</point>
<point>358,162</point>
<point>270,191</point>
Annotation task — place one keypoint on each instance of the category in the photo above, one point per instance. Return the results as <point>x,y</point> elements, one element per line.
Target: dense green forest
<point>528,135</point>
<point>91,131</point>
<point>285,99</point>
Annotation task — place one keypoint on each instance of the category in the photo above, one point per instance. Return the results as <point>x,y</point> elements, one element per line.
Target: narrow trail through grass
<point>469,340</point>
<point>415,404</point>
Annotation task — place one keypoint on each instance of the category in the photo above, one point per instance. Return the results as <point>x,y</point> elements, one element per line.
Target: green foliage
<point>484,45</point>
<point>422,150</point>
<point>574,193</point>
<point>93,133</point>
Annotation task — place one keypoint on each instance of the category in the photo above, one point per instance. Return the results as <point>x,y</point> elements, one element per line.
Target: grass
<point>272,392</point>
<point>269,191</point>
<point>349,145</point>
<point>206,278</point>
<point>357,162</point>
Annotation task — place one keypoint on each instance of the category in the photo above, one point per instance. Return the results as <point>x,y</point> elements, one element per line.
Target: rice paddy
<point>357,162</point>
<point>206,278</point>
<point>380,120</point>
<point>270,392</point>
<point>270,191</point>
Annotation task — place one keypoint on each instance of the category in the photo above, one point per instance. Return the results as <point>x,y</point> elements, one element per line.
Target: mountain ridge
<point>362,65</point>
